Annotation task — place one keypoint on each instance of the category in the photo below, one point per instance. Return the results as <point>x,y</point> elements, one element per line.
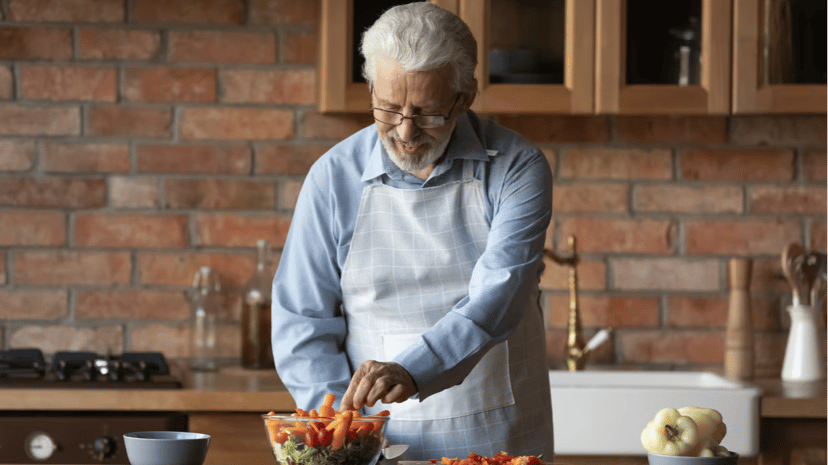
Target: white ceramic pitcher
<point>805,352</point>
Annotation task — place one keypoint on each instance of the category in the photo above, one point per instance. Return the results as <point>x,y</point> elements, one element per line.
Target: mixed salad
<point>325,437</point>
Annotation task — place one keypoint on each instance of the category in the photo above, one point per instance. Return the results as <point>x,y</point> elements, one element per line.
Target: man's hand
<point>373,381</point>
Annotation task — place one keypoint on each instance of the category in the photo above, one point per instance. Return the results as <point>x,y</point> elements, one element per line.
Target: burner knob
<point>103,448</point>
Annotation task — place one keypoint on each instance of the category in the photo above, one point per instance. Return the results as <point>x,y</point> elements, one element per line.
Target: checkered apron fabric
<point>410,261</point>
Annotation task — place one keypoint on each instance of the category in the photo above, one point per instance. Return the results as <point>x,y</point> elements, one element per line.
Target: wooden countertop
<point>231,389</point>
<point>234,389</point>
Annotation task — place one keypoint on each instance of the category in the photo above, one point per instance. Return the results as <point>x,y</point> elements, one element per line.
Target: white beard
<point>414,163</point>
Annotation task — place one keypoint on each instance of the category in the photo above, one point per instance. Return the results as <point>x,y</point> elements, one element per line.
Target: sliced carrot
<point>329,400</point>
<point>341,430</point>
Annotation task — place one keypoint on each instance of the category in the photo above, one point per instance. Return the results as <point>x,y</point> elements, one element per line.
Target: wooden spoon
<point>789,255</point>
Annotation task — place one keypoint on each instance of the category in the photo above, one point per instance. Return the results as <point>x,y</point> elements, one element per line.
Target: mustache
<point>420,139</point>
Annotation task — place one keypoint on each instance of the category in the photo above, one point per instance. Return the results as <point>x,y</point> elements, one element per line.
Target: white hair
<point>422,36</point>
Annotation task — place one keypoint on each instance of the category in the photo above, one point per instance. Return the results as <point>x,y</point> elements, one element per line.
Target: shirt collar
<point>464,144</point>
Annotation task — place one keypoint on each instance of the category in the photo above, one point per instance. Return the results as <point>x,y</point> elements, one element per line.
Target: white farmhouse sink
<point>604,412</point>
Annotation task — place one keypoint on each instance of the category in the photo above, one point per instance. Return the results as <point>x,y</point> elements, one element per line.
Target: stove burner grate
<point>81,369</point>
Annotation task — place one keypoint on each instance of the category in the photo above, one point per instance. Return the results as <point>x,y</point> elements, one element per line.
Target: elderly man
<point>409,279</point>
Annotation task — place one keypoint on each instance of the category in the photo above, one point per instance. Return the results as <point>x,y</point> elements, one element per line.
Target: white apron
<point>410,261</point>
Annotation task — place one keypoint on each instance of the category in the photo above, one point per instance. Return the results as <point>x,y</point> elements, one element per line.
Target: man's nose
<point>407,130</point>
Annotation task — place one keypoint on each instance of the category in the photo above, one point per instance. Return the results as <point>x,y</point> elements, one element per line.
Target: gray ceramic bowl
<point>166,448</point>
<point>656,459</point>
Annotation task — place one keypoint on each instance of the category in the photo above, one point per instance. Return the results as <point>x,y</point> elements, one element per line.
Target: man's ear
<point>467,101</point>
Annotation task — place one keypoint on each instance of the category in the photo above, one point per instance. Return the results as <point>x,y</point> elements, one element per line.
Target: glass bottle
<point>205,304</point>
<point>256,351</point>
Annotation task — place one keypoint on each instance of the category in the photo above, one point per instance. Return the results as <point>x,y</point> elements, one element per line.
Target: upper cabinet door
<point>535,56</point>
<point>341,86</point>
<point>657,56</point>
<point>779,56</point>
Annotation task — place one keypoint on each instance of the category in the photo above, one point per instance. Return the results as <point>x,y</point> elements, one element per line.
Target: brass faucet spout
<point>576,349</point>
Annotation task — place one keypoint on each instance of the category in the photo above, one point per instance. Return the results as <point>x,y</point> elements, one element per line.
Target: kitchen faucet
<point>576,350</point>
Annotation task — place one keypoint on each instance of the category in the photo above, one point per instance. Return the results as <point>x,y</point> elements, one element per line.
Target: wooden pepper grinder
<point>739,335</point>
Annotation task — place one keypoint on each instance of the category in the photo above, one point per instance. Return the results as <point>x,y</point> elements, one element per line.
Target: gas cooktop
<point>71,369</point>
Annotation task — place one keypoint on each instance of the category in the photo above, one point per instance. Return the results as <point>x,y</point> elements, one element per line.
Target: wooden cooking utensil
<point>789,254</point>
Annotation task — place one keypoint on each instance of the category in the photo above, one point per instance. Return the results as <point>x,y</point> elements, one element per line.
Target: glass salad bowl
<point>346,439</point>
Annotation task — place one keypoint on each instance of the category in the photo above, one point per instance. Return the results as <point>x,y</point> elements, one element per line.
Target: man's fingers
<point>395,394</point>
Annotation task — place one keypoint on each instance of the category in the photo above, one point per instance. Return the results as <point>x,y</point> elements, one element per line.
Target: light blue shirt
<point>309,326</point>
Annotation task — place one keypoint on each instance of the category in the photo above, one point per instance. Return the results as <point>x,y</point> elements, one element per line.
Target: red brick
<point>669,273</point>
<point>71,267</point>
<point>284,11</point>
<point>130,192</point>
<point>52,192</point>
<point>770,353</point>
<point>677,347</point>
<point>204,159</point>
<point>802,200</point>
<point>591,275</point>
<point>662,128</point>
<point>287,159</point>
<point>41,120</point>
<point>130,230</point>
<point>6,83</point>
<point>18,154</point>
<point>296,87</point>
<point>814,165</point>
<point>235,123</point>
<point>161,84</point>
<point>68,83</point>
<point>222,47</point>
<point>559,129</point>
<point>616,311</point>
<point>193,11</point>
<point>220,194</point>
<point>77,11</point>
<point>238,230</point>
<point>697,311</point>
<point>739,237</point>
<point>819,240</point>
<point>737,165</point>
<point>289,194</point>
<point>27,304</point>
<point>619,236</point>
<point>334,127</point>
<point>35,43</point>
<point>779,130</point>
<point>83,157</point>
<point>51,339</point>
<point>766,276</point>
<point>616,163</point>
<point>179,268</point>
<point>130,121</point>
<point>26,227</point>
<point>703,198</point>
<point>597,198</point>
<point>300,48</point>
<point>173,341</point>
<point>131,304</point>
<point>122,44</point>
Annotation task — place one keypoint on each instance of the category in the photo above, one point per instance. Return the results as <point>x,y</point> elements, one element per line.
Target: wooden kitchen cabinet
<point>636,70</point>
<point>594,56</point>
<point>234,437</point>
<point>769,77</point>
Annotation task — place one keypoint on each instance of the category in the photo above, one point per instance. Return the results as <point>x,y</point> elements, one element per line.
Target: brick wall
<point>141,139</point>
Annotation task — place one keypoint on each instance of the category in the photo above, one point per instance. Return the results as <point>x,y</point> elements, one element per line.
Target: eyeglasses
<point>421,121</point>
